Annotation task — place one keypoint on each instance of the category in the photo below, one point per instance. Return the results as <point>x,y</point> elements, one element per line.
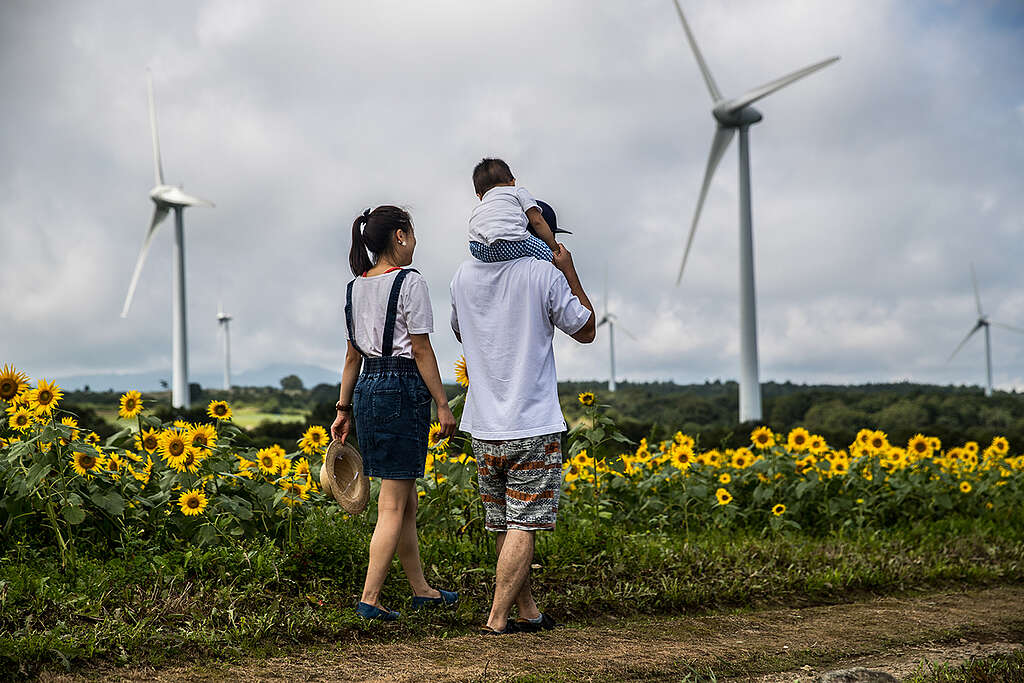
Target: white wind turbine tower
<point>611,320</point>
<point>224,321</point>
<point>983,323</point>
<point>167,197</point>
<point>730,116</point>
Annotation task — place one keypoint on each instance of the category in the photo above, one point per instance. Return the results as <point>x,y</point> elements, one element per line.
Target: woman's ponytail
<point>372,232</point>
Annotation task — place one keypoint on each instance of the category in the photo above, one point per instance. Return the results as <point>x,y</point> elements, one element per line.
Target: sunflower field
<point>205,483</point>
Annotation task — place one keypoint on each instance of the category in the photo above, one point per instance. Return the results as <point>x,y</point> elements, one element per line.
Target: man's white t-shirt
<point>501,215</point>
<point>506,314</point>
<point>369,311</point>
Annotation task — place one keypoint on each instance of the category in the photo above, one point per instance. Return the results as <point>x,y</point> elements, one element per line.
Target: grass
<point>1003,668</point>
<point>245,417</point>
<point>142,605</point>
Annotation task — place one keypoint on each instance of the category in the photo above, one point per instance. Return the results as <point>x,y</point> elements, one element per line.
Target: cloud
<point>875,182</point>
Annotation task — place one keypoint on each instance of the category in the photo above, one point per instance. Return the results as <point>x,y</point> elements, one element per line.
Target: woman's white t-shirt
<point>370,306</point>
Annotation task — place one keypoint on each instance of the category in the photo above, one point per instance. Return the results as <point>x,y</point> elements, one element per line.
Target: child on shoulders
<point>508,223</point>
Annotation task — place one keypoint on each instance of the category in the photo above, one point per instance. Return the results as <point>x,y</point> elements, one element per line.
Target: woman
<point>388,320</point>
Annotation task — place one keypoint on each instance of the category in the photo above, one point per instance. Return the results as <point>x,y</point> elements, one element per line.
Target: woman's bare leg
<point>409,549</point>
<point>391,509</point>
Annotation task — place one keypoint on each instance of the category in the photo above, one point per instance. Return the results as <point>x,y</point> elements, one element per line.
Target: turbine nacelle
<point>733,118</point>
<point>173,196</point>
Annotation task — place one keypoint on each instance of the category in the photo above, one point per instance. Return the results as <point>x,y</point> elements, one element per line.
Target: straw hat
<point>342,476</point>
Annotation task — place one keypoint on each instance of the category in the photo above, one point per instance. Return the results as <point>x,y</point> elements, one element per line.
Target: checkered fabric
<point>503,250</point>
<point>520,481</point>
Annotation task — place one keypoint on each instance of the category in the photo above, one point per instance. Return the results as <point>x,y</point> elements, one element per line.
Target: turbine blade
<point>603,321</point>
<point>628,333</point>
<point>969,335</point>
<point>1009,327</point>
<point>606,290</point>
<point>716,96</point>
<point>723,136</point>
<point>177,196</point>
<point>768,88</point>
<point>159,213</point>
<point>977,296</point>
<point>158,169</point>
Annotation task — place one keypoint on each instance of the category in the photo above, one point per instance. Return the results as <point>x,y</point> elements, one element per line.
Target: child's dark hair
<point>490,172</point>
<point>380,224</point>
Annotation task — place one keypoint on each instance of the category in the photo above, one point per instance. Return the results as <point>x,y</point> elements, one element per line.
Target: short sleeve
<point>414,305</point>
<point>526,199</point>
<point>564,307</point>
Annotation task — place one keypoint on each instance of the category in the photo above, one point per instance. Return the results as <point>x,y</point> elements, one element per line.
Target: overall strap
<point>389,321</point>
<point>348,319</point>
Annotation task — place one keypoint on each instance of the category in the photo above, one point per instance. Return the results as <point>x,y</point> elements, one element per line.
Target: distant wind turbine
<point>611,320</point>
<point>732,115</point>
<point>167,197</point>
<point>224,321</point>
<point>983,323</point>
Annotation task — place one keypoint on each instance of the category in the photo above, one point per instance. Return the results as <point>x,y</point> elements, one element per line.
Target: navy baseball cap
<point>550,218</point>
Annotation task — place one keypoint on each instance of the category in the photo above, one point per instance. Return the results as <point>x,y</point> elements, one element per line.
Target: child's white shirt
<point>501,215</point>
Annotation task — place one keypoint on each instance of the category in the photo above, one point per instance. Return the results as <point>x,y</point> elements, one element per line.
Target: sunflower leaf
<point>121,438</point>
<point>73,514</point>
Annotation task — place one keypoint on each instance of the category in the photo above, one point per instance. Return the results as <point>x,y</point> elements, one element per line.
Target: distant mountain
<point>269,376</point>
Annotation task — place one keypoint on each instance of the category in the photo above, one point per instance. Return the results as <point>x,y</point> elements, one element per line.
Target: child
<point>508,223</point>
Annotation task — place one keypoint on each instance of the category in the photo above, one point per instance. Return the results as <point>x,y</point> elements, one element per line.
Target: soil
<point>895,635</point>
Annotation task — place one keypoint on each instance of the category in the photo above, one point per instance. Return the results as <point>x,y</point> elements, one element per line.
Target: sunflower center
<point>267,461</point>
<point>176,448</point>
<point>799,439</point>
<point>149,442</point>
<point>129,404</point>
<point>199,439</point>
<point>87,462</point>
<point>44,398</point>
<point>7,389</point>
<point>192,503</point>
<point>220,410</point>
<point>190,459</point>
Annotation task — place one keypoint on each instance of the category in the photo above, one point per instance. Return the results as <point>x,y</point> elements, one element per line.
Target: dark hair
<point>380,224</point>
<point>490,172</point>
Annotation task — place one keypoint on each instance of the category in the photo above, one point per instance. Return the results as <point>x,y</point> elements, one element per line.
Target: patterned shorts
<point>520,481</point>
<point>503,250</point>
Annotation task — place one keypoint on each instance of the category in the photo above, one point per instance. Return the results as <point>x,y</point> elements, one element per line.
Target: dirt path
<point>891,634</point>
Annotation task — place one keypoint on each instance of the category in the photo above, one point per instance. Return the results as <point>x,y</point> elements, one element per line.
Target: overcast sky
<point>876,182</point>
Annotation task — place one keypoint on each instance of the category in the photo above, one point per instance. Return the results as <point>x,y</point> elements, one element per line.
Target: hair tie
<point>366,215</point>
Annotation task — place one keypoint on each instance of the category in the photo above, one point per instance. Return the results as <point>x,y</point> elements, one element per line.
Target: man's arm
<point>563,261</point>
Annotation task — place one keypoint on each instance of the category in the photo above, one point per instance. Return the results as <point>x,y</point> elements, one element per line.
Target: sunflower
<point>302,467</point>
<point>21,419</point>
<point>192,502</point>
<point>919,446</point>
<point>586,398</point>
<point>817,445</point>
<point>965,487</point>
<point>1000,445</point>
<point>219,410</point>
<point>131,404</point>
<point>12,382</point>
<point>461,372</point>
<point>797,441</point>
<point>723,496</point>
<point>779,510</point>
<point>434,440</point>
<point>971,447</point>
<point>741,458</point>
<point>284,465</point>
<point>93,438</point>
<point>246,468</point>
<point>314,440</point>
<point>203,435</point>
<point>806,464</point>
<point>267,461</point>
<point>148,441</point>
<point>878,440</point>
<point>762,437</point>
<point>115,466</point>
<point>86,463</point>
<point>173,444</point>
<point>189,460</point>
<point>724,478</point>
<point>935,443</point>
<point>45,397</point>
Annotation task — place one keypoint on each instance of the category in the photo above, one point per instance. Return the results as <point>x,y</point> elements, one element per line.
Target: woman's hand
<point>447,420</point>
<point>342,425</point>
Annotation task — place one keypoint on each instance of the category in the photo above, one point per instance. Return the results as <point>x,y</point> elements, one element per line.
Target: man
<point>504,314</point>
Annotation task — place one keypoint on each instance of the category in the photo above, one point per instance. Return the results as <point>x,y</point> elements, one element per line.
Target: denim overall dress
<point>390,401</point>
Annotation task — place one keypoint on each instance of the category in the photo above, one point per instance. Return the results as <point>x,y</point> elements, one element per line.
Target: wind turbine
<point>611,319</point>
<point>730,116</point>
<point>167,197</point>
<point>983,323</point>
<point>224,320</point>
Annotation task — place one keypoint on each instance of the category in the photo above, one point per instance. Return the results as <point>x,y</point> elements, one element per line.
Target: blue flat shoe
<point>370,612</point>
<point>446,599</point>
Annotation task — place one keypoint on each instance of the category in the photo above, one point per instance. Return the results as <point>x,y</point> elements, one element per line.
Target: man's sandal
<point>510,627</point>
<point>546,623</point>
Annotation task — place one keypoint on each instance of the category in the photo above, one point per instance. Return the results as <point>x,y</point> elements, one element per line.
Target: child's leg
<point>502,250</point>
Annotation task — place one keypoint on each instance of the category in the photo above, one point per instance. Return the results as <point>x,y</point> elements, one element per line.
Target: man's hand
<point>562,260</point>
<point>447,420</point>
<point>342,425</point>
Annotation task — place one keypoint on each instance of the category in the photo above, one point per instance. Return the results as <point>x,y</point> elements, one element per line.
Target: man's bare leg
<point>524,599</point>
<point>512,574</point>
